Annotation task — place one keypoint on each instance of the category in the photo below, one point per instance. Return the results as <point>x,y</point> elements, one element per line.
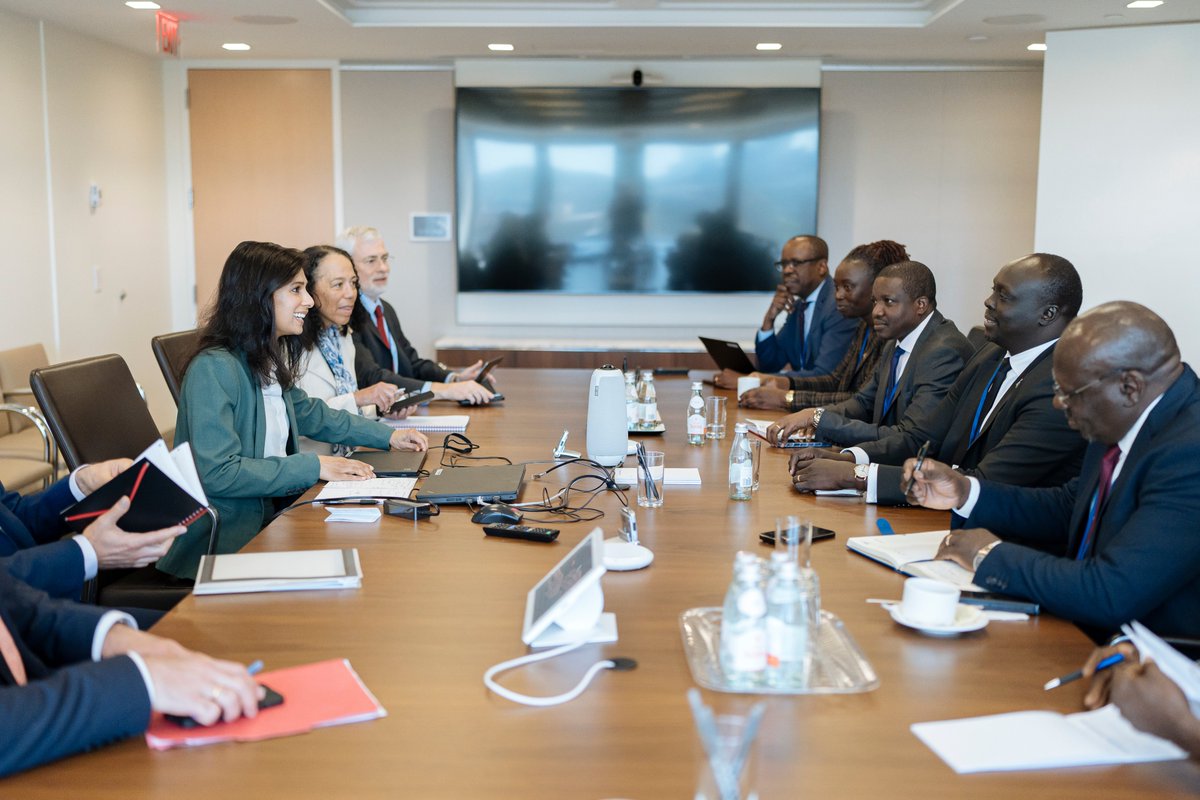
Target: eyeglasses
<point>793,263</point>
<point>1064,398</point>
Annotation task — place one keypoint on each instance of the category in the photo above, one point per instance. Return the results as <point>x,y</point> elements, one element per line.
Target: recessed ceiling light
<point>236,46</point>
<point>768,46</point>
<point>1144,4</point>
<point>1036,46</point>
<point>977,37</point>
<point>142,5</point>
<point>502,48</point>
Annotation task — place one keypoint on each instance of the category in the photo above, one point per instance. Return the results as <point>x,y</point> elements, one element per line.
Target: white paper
<point>1184,672</point>
<point>1042,740</point>
<point>294,564</point>
<point>913,554</point>
<point>447,422</point>
<point>353,514</point>
<point>672,476</point>
<point>838,493</point>
<point>177,465</point>
<point>372,487</point>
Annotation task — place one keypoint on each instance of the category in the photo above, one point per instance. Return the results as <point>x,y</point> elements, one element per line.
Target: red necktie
<point>1107,467</point>
<point>380,324</point>
<point>12,656</point>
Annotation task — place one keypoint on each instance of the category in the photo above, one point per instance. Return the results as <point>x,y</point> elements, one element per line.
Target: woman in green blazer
<point>241,411</point>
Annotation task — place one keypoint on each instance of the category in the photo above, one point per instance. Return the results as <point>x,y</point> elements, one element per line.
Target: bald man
<point>1120,541</point>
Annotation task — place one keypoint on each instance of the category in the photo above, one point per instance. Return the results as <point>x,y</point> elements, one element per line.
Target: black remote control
<point>529,532</point>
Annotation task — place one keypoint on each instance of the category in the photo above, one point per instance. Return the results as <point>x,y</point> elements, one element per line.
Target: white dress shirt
<point>809,310</point>
<point>275,441</point>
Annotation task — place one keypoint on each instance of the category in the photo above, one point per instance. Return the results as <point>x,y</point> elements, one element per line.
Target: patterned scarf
<point>330,346</point>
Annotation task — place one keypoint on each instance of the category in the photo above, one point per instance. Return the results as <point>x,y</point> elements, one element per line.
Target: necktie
<point>1107,467</point>
<point>380,325</point>
<point>989,397</point>
<point>798,315</point>
<point>12,656</point>
<point>889,396</point>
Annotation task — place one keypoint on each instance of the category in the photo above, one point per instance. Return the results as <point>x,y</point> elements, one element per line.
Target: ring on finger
<point>216,692</point>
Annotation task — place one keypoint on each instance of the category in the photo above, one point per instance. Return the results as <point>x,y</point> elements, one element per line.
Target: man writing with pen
<point>1118,542</point>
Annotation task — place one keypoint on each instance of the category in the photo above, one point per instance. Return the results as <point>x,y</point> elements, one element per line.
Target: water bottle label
<point>695,424</point>
<point>745,476</point>
<point>748,651</point>
<point>785,642</point>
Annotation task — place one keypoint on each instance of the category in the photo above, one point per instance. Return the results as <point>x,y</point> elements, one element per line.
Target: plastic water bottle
<point>793,617</point>
<point>647,397</point>
<point>741,465</point>
<point>743,625</point>
<point>695,414</point>
<point>631,399</point>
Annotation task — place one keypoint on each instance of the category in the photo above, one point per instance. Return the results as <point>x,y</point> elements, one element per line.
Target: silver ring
<point>216,693</point>
<point>946,540</point>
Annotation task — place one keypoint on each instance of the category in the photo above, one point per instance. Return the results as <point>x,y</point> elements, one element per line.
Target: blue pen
<point>1115,658</point>
<point>884,526</point>
<point>255,668</point>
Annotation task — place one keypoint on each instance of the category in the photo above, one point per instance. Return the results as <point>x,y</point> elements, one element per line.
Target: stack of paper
<point>672,476</point>
<point>286,571</point>
<point>913,554</point>
<point>447,422</point>
<point>398,488</point>
<point>1174,664</point>
<point>314,696</point>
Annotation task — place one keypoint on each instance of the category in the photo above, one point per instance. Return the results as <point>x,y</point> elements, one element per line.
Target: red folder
<point>314,696</point>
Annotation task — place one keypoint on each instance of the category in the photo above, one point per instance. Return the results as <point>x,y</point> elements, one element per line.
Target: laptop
<point>473,484</point>
<point>728,355</point>
<point>393,463</point>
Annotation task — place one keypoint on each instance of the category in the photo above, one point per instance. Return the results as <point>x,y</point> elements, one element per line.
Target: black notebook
<point>155,501</point>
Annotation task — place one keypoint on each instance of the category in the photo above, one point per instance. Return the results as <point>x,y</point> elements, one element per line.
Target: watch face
<point>861,471</point>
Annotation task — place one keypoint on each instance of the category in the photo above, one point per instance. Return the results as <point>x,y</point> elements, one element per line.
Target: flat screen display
<point>652,190</point>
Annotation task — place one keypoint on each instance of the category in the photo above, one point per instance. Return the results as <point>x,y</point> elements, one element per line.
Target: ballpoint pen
<point>255,667</point>
<point>1071,677</point>
<point>912,479</point>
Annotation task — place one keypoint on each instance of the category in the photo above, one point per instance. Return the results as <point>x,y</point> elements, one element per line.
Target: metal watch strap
<point>982,553</point>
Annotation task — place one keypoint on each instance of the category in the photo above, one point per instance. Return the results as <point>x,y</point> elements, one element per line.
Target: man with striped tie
<point>998,420</point>
<point>1119,542</point>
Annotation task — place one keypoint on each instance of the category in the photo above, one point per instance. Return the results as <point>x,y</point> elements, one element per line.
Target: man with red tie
<point>383,341</point>
<point>1119,542</point>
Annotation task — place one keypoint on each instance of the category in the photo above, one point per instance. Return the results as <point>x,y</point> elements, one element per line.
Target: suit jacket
<point>221,412</point>
<point>932,368</point>
<point>411,372</point>
<point>851,374</point>
<point>1144,562</point>
<point>828,336</point>
<point>29,545</point>
<point>70,703</point>
<point>1025,442</point>
<point>317,380</point>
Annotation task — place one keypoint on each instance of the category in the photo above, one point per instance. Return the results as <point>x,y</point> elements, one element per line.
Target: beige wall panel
<point>262,163</point>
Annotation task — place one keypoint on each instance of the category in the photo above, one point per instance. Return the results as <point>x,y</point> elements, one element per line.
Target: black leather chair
<point>96,412</point>
<point>174,351</point>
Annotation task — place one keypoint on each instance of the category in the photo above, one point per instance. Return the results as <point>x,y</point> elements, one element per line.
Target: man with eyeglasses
<point>814,336</point>
<point>1119,542</point>
<point>383,352</point>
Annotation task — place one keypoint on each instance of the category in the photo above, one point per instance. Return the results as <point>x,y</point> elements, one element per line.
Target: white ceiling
<point>439,31</point>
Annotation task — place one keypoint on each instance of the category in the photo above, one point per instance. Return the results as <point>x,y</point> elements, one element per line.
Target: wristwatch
<point>861,472</point>
<point>817,417</point>
<point>790,398</point>
<point>982,553</point>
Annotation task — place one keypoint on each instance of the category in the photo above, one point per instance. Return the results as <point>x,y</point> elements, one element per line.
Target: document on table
<point>913,554</point>
<point>372,487</point>
<point>672,476</point>
<point>445,422</point>
<point>1184,672</point>
<point>287,571</point>
<point>1042,740</point>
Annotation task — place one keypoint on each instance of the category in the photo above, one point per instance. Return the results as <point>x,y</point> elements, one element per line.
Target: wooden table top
<point>440,603</point>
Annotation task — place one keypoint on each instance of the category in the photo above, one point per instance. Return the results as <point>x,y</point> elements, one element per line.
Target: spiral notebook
<point>449,422</point>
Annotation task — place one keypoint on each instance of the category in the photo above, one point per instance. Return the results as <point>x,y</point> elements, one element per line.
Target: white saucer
<point>621,556</point>
<point>966,619</point>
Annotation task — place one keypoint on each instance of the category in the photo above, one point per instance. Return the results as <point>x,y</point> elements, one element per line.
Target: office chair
<point>96,412</point>
<point>174,351</point>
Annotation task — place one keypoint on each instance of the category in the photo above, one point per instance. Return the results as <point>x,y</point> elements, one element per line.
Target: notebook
<point>728,355</point>
<point>393,463</point>
<point>473,484</point>
<point>447,422</point>
<point>913,554</point>
<point>287,571</point>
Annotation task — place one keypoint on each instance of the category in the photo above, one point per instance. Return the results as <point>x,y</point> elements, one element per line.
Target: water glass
<point>714,417</point>
<point>650,489</point>
<point>756,457</point>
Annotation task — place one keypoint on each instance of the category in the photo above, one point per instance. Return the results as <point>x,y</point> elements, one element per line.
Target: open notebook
<point>913,554</point>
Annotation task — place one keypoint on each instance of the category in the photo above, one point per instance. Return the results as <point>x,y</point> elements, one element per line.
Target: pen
<point>1054,683</point>
<point>912,479</point>
<point>255,667</point>
<point>884,526</point>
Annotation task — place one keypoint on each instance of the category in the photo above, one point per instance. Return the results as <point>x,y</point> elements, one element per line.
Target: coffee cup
<point>746,383</point>
<point>929,602</point>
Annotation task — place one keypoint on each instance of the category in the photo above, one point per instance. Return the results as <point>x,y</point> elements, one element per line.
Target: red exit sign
<point>168,34</point>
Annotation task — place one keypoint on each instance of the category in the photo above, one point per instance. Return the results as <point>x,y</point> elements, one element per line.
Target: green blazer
<point>222,415</point>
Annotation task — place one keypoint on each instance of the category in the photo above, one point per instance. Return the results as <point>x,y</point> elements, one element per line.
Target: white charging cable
<point>620,664</point>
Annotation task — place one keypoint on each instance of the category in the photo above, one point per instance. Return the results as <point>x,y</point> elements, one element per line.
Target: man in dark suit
<point>382,351</point>
<point>1125,529</point>
<point>814,336</point>
<point>73,677</point>
<point>923,356</point>
<point>31,527</point>
<point>998,420</point>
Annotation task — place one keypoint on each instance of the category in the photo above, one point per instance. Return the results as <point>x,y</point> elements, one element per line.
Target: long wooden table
<point>440,603</point>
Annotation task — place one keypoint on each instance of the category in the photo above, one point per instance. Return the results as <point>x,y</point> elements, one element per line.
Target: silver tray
<point>838,668</point>
<point>658,429</point>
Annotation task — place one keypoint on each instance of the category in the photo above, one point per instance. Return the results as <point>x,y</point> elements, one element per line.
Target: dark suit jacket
<point>70,703</point>
<point>412,370</point>
<point>1144,562</point>
<point>29,545</point>
<point>1025,442</point>
<point>828,337</point>
<point>933,365</point>
<point>852,373</point>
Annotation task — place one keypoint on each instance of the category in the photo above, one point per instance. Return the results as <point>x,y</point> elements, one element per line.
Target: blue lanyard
<point>1087,531</point>
<point>862,349</point>
<point>979,408</point>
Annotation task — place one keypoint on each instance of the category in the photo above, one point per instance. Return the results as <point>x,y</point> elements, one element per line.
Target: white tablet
<point>569,596</point>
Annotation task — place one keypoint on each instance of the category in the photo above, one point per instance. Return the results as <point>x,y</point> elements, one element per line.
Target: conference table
<point>440,603</point>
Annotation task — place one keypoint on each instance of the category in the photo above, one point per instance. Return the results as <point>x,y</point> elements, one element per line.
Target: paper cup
<point>745,383</point>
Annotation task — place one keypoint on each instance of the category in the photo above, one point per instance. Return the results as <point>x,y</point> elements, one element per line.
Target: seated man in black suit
<point>31,527</point>
<point>923,356</point>
<point>1125,529</point>
<point>73,677</point>
<point>383,353</point>
<point>998,421</point>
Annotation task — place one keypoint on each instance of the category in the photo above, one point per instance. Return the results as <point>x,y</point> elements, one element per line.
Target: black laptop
<point>728,355</point>
<point>447,485</point>
<point>393,463</point>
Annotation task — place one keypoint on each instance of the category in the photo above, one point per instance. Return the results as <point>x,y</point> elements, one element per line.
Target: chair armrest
<point>35,418</point>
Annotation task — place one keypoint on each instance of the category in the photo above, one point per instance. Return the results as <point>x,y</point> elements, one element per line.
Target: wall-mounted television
<point>622,190</point>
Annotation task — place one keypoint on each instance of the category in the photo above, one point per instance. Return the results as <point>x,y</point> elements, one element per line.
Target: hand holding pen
<point>1098,693</point>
